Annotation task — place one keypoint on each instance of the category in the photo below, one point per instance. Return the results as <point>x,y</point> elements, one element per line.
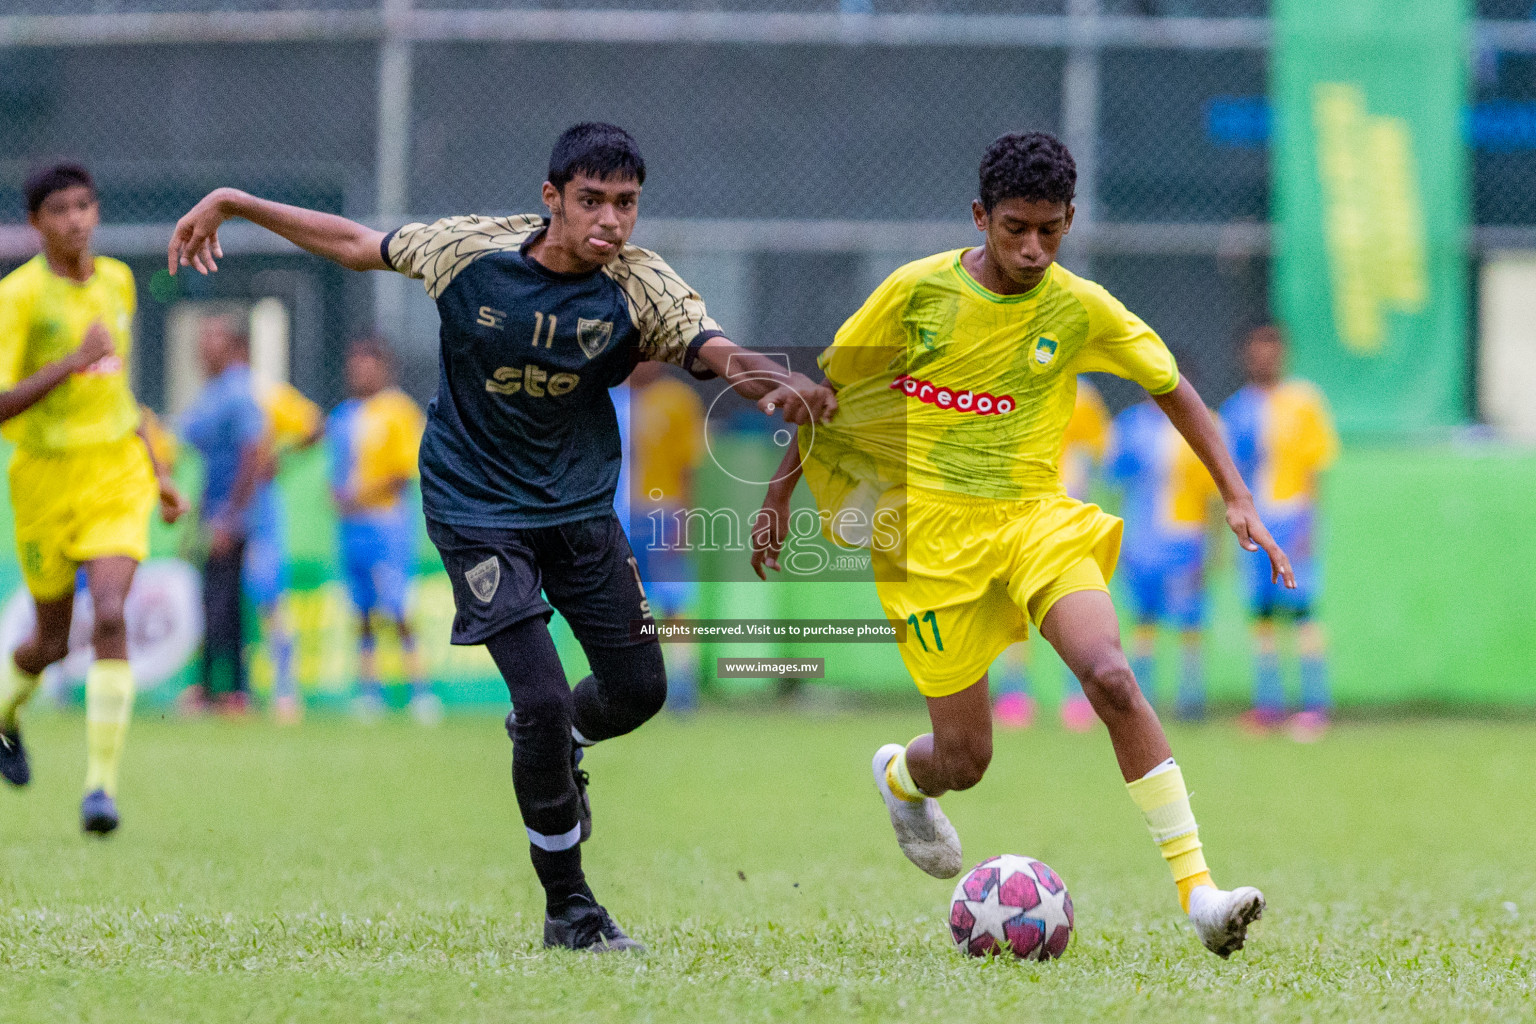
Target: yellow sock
<point>900,779</point>
<point>16,688</point>
<point>108,706</point>
<point>1164,803</point>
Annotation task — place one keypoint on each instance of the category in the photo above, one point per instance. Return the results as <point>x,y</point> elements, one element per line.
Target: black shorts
<point>502,576</point>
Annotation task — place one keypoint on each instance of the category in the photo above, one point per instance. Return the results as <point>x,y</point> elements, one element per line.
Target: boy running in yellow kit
<point>955,382</point>
<point>83,478</point>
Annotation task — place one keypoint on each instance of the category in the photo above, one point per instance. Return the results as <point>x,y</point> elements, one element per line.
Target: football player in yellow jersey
<point>293,424</point>
<point>84,479</point>
<point>1082,450</point>
<point>955,382</point>
<point>667,442</point>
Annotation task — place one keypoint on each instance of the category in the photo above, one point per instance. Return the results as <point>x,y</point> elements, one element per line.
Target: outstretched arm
<point>768,383</point>
<point>30,390</point>
<point>195,242</point>
<point>1188,414</point>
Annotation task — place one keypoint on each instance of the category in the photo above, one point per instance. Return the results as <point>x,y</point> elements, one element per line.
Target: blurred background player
<point>83,478</point>
<point>373,438</point>
<point>229,430</point>
<point>1168,495</point>
<point>667,426</point>
<point>1087,437</point>
<point>293,423</point>
<point>1282,438</point>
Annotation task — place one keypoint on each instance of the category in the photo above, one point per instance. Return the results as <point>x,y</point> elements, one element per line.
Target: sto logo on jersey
<point>977,402</point>
<point>532,380</point>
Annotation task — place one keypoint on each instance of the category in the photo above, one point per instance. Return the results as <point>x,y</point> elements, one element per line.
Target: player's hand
<point>802,400</point>
<point>1252,535</point>
<point>769,528</point>
<point>173,504</point>
<point>96,346</point>
<point>195,242</point>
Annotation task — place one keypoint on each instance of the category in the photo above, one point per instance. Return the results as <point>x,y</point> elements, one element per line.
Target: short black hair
<point>45,181</point>
<point>1265,334</point>
<point>1027,165</point>
<point>597,149</point>
<point>374,348</point>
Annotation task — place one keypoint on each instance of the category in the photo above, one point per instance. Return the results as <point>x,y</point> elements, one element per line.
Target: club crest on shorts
<point>484,579</point>
<point>593,335</point>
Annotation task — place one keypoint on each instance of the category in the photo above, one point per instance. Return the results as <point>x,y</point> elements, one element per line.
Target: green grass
<point>340,873</point>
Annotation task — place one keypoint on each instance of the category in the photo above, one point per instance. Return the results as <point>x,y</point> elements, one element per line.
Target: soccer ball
<point>1011,903</point>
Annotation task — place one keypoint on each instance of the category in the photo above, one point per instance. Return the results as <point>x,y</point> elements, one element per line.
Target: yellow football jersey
<point>292,419</point>
<point>669,442</point>
<point>385,439</point>
<point>1085,441</point>
<point>43,318</point>
<point>946,385</point>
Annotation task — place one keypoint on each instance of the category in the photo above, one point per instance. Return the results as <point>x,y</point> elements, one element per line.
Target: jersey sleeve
<point>436,253</point>
<point>15,327</point>
<point>874,339</point>
<point>1120,342</point>
<point>671,316</point>
<point>294,417</point>
<point>129,295</point>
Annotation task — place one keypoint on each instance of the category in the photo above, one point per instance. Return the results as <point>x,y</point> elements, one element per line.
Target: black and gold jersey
<point>522,432</point>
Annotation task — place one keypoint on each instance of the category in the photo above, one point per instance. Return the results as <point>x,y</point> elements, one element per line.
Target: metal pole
<point>392,170</point>
<point>1080,121</point>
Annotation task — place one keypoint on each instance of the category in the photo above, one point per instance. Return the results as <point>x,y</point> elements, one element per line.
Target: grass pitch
<point>343,873</point>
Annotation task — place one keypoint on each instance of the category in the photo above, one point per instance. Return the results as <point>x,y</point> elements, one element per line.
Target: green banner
<point>1371,206</point>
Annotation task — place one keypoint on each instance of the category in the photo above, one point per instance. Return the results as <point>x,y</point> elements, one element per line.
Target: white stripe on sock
<point>579,739</point>
<point>1167,766</point>
<point>554,844</point>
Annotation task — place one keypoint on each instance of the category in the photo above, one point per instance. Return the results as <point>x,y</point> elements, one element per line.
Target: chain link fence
<point>795,155</point>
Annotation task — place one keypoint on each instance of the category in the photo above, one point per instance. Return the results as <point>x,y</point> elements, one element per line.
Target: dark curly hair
<point>45,181</point>
<point>1027,165</point>
<point>600,150</point>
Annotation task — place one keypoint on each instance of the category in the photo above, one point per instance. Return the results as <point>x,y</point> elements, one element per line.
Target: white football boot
<point>925,834</point>
<point>1221,918</point>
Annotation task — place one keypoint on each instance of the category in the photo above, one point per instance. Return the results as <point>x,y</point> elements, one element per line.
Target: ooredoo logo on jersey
<point>979,403</point>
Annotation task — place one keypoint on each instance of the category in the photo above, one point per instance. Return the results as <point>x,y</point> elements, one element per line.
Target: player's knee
<point>1111,685</point>
<point>110,623</point>
<point>41,651</point>
<point>633,684</point>
<point>965,759</point>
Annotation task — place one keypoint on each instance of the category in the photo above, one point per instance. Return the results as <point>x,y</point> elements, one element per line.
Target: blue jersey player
<point>541,315</point>
<point>1168,496</point>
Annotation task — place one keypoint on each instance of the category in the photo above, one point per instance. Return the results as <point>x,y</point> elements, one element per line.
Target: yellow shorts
<point>78,505</point>
<point>977,571</point>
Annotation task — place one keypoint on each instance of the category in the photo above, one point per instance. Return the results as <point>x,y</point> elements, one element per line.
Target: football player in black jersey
<point>541,315</point>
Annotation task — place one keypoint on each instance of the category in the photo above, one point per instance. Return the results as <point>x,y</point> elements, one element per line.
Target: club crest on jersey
<point>978,402</point>
<point>1045,350</point>
<point>484,579</point>
<point>593,335</point>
